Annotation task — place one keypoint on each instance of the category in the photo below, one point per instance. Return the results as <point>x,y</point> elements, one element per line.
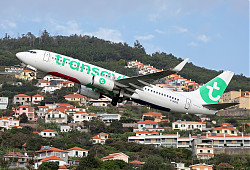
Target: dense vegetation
<point>106,54</point>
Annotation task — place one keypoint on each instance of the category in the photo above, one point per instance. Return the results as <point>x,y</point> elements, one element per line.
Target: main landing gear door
<point>188,103</point>
<point>46,56</point>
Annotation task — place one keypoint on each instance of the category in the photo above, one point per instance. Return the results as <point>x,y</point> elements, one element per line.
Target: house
<point>60,161</point>
<point>102,102</point>
<point>42,110</point>
<point>65,128</point>
<point>57,115</point>
<point>137,163</point>
<point>244,102</point>
<point>24,109</point>
<point>26,75</point>
<point>48,133</point>
<point>179,166</point>
<point>227,129</point>
<point>51,78</point>
<point>22,99</point>
<point>116,156</point>
<point>65,84</point>
<point>43,83</point>
<point>157,116</point>
<point>14,69</point>
<point>50,89</point>
<point>80,117</point>
<point>188,125</point>
<point>107,118</point>
<point>17,160</point>
<point>9,122</point>
<point>201,167</point>
<point>47,151</point>
<point>204,151</point>
<point>77,152</point>
<point>74,98</point>
<point>4,102</point>
<point>148,125</point>
<point>100,138</point>
<point>36,99</point>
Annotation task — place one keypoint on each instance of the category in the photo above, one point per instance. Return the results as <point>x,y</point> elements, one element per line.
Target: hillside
<point>106,54</point>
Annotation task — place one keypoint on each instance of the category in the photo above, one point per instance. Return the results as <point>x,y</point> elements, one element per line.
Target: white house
<point>77,152</point>
<point>109,117</point>
<point>57,115</point>
<point>188,125</point>
<point>116,156</point>
<point>148,125</point>
<point>3,102</point>
<point>65,128</point>
<point>43,83</point>
<point>9,122</point>
<point>50,89</point>
<point>80,116</point>
<point>48,133</point>
<point>36,99</point>
<point>42,110</point>
<point>60,161</point>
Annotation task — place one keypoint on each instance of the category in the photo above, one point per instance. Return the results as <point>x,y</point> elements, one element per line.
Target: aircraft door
<point>188,103</point>
<point>46,56</point>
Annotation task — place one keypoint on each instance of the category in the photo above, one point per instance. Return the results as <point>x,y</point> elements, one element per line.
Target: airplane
<point>96,81</point>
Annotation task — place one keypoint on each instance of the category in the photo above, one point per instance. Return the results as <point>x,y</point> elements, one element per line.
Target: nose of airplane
<point>20,55</point>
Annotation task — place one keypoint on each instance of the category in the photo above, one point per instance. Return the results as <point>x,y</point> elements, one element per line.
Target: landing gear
<point>116,100</point>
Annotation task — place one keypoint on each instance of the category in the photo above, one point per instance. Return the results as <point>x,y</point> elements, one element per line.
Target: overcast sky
<point>212,33</point>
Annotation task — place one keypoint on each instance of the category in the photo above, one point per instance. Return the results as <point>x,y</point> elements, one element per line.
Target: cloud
<point>69,28</point>
<point>162,32</point>
<point>107,34</point>
<point>203,38</point>
<point>180,29</point>
<point>7,24</point>
<point>192,44</point>
<point>146,37</point>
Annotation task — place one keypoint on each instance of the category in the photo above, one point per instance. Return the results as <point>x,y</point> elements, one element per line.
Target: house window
<point>218,131</point>
<point>225,131</point>
<point>50,134</point>
<point>208,151</point>
<point>44,134</point>
<point>60,115</point>
<point>201,151</point>
<point>176,126</point>
<point>232,132</point>
<point>76,153</point>
<point>48,116</point>
<point>53,116</point>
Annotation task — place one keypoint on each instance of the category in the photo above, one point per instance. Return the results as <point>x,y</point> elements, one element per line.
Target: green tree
<point>23,118</point>
<point>115,127</point>
<point>49,166</point>
<point>89,162</point>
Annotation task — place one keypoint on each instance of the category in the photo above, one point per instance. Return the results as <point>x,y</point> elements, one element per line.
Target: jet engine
<point>88,92</point>
<point>103,83</point>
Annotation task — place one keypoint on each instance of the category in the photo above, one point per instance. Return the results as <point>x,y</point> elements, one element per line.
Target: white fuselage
<point>82,73</point>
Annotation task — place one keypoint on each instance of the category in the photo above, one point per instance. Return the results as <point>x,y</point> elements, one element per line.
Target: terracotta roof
<point>43,81</point>
<point>229,128</point>
<point>67,82</point>
<point>147,132</point>
<point>111,156</point>
<point>137,162</point>
<point>205,154</point>
<point>48,130</point>
<point>225,164</point>
<point>147,121</point>
<point>152,113</point>
<point>37,95</point>
<point>96,137</point>
<point>62,167</point>
<point>102,133</point>
<point>227,124</point>
<point>21,95</point>
<point>7,118</point>
<point>35,132</point>
<point>28,71</point>
<point>52,158</point>
<point>51,149</point>
<point>24,106</point>
<point>24,145</point>
<point>77,148</point>
<point>74,95</point>
<point>43,106</point>
<point>18,154</point>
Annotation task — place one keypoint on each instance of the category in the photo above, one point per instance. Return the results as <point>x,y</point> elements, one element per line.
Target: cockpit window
<point>33,52</point>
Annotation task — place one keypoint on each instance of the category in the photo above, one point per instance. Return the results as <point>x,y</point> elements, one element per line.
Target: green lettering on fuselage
<point>94,71</point>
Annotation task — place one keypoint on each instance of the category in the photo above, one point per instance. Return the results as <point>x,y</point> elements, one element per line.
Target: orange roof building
<point>116,156</point>
<point>77,152</point>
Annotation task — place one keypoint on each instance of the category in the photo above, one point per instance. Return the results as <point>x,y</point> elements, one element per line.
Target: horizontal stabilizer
<point>219,106</point>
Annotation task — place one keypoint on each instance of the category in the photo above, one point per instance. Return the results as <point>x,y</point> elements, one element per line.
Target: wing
<point>138,82</point>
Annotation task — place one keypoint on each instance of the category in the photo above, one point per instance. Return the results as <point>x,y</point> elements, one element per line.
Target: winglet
<point>180,66</point>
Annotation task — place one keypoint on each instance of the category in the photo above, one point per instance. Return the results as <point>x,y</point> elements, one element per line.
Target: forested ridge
<point>113,56</point>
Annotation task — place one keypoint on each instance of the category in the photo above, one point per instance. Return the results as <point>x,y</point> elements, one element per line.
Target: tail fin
<point>211,92</point>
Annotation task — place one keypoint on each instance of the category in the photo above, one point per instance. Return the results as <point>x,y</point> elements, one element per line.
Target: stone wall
<point>232,151</point>
<point>234,112</point>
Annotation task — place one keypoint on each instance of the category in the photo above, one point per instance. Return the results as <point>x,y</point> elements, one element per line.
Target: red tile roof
<point>147,132</point>
<point>102,133</point>
<point>7,118</point>
<point>152,113</point>
<point>205,154</point>
<point>52,158</point>
<point>77,148</point>
<point>137,162</point>
<point>96,137</point>
<point>74,96</point>
<point>62,167</point>
<point>43,81</point>
<point>18,154</point>
<point>37,95</point>
<point>221,127</point>
<point>148,122</point>
<point>51,149</point>
<point>48,130</point>
<point>21,95</point>
<point>24,106</point>
<point>28,71</point>
<point>225,164</point>
<point>111,156</point>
